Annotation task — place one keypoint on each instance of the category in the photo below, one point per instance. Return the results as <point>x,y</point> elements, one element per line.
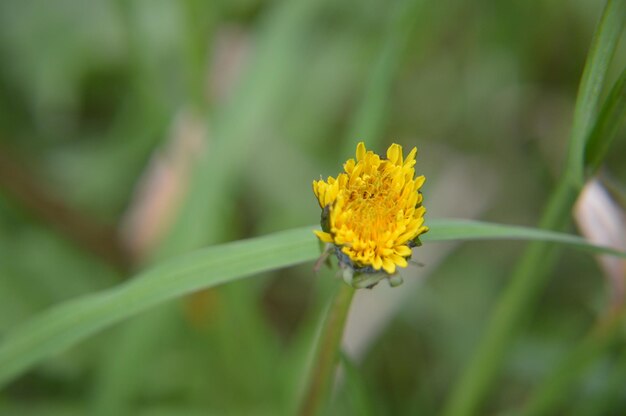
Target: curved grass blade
<point>452,230</point>
<point>69,322</point>
<point>65,324</point>
<point>600,55</point>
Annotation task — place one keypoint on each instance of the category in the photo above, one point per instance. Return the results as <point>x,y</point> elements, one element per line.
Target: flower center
<point>372,205</point>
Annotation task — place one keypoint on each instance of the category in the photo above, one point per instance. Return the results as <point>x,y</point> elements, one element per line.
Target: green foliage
<point>532,271</point>
<point>217,116</point>
<point>70,322</point>
<point>593,82</point>
<point>74,320</point>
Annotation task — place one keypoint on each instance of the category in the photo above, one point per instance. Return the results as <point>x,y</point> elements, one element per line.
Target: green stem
<point>327,354</point>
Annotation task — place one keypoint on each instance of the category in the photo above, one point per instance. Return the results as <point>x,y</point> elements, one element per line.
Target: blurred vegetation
<point>132,131</point>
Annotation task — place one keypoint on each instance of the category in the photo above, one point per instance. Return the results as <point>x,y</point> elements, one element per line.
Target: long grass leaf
<point>64,325</point>
<point>67,323</point>
<point>532,271</point>
<point>454,230</point>
<point>592,83</point>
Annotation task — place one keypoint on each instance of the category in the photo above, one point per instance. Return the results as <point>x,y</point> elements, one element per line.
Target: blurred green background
<point>131,131</point>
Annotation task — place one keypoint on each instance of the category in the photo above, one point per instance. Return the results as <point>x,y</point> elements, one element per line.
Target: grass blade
<point>454,230</point>
<point>602,50</point>
<point>531,273</point>
<point>70,322</point>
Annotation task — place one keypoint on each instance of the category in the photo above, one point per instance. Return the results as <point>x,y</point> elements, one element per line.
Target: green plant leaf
<point>72,321</point>
<point>69,322</point>
<point>452,229</point>
<point>531,273</point>
<point>600,55</point>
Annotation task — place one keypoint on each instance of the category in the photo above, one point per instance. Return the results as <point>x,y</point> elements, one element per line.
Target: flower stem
<point>327,354</point>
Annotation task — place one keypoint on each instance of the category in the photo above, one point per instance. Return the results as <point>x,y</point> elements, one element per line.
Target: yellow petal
<point>419,181</point>
<point>399,260</point>
<point>323,236</point>
<point>360,151</point>
<point>403,251</point>
<point>394,154</point>
<point>410,159</point>
<point>348,167</point>
<point>377,263</point>
<point>389,266</point>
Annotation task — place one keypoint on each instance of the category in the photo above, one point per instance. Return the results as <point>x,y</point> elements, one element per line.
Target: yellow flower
<point>372,213</point>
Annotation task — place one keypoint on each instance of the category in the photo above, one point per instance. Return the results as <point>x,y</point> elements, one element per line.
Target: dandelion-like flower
<point>372,214</point>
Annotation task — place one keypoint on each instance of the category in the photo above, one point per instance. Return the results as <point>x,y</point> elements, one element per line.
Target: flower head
<point>372,212</point>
